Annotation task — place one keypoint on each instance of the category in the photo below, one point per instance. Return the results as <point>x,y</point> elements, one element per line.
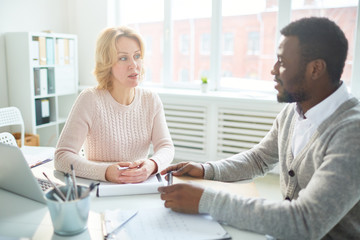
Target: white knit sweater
<point>111,132</point>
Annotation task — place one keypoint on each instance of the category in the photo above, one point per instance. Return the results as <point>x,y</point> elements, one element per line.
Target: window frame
<point>216,50</point>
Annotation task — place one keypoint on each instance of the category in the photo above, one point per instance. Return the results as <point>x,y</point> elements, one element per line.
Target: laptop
<point>16,175</point>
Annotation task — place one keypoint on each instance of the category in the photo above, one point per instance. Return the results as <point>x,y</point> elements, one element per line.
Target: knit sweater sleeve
<point>161,139</point>
<point>78,124</point>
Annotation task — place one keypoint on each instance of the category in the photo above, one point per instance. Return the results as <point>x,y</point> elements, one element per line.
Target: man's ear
<point>318,68</point>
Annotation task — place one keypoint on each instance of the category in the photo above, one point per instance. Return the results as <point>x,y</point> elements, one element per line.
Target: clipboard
<point>160,223</point>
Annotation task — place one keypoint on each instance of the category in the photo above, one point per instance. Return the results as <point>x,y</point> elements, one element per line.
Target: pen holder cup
<point>69,217</point>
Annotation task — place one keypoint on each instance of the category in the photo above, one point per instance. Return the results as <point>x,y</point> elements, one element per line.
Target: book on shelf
<point>42,108</point>
<point>37,82</point>
<point>42,50</point>
<point>59,53</point>
<point>50,51</point>
<point>66,51</point>
<point>71,51</point>
<point>35,51</point>
<point>43,81</point>
<point>51,81</point>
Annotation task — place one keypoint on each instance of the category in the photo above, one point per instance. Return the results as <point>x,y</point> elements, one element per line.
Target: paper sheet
<point>149,186</point>
<point>37,155</point>
<point>163,223</point>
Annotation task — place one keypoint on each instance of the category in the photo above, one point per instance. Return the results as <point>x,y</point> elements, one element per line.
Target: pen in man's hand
<point>170,178</point>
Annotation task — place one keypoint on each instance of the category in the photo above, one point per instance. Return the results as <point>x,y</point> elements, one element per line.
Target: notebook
<point>16,175</point>
<point>150,185</point>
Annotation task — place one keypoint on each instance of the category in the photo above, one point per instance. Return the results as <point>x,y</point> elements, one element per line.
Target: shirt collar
<point>325,108</point>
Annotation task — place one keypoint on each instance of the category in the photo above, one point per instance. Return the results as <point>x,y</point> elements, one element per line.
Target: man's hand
<point>185,168</point>
<point>182,197</point>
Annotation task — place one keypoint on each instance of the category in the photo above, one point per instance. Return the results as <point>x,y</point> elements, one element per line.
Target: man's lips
<point>278,83</point>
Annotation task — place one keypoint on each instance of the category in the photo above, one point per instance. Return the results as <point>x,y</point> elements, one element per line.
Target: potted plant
<point>204,84</point>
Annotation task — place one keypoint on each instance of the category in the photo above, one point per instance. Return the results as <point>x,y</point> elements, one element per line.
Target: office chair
<point>7,138</point>
<point>12,116</point>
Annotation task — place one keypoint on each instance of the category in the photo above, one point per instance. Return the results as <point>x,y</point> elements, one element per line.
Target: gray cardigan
<point>321,185</point>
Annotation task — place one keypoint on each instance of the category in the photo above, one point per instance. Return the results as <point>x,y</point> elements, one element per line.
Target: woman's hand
<point>136,172</point>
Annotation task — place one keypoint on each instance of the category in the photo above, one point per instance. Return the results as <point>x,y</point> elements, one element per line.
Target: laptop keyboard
<point>44,184</point>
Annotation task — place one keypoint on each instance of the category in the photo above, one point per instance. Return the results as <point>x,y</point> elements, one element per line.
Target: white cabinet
<point>42,75</point>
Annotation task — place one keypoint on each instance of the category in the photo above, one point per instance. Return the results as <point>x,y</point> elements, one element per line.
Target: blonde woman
<point>116,121</point>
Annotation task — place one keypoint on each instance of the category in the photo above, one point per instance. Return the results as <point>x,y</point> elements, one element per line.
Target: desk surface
<point>23,218</point>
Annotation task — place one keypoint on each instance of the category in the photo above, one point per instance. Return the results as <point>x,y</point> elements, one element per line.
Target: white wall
<point>84,18</point>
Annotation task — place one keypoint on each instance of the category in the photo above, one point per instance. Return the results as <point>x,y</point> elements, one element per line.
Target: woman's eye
<point>137,56</point>
<point>123,59</point>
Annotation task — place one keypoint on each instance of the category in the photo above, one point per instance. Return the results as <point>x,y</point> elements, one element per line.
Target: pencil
<point>57,190</point>
<point>74,181</point>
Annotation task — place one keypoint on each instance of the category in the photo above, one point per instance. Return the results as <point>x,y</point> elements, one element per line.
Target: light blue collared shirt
<point>307,123</point>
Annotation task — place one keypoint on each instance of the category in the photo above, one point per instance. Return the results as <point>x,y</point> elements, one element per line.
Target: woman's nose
<point>133,64</point>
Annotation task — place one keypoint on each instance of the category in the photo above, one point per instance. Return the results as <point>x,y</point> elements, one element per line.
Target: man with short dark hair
<point>315,139</point>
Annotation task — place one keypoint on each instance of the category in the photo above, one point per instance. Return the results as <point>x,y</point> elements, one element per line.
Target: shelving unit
<point>42,74</point>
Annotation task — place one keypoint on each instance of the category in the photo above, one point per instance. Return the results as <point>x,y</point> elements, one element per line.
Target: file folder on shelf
<point>42,107</point>
<point>50,51</point>
<point>42,50</point>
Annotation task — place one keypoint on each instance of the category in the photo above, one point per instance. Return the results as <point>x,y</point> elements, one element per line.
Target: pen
<point>68,185</point>
<point>74,181</point>
<point>110,235</point>
<point>170,178</point>
<point>57,198</point>
<point>122,168</point>
<point>87,192</point>
<point>41,162</point>
<point>57,190</point>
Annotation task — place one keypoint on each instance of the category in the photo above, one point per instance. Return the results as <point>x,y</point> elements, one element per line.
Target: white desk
<point>23,218</point>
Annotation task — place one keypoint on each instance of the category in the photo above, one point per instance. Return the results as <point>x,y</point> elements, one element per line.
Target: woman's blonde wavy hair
<point>106,53</point>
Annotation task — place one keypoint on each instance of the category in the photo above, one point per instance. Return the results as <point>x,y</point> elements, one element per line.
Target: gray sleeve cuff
<point>208,171</point>
<point>206,200</point>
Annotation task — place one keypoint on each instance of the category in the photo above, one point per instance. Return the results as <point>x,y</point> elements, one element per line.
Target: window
<point>191,22</point>
<point>228,47</point>
<point>253,43</point>
<point>184,75</point>
<point>150,24</point>
<point>184,44</point>
<point>205,44</point>
<point>249,22</point>
<point>232,42</point>
<point>148,45</point>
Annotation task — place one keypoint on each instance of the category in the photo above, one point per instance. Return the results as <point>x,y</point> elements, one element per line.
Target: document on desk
<point>37,155</point>
<point>149,186</point>
<point>163,223</point>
